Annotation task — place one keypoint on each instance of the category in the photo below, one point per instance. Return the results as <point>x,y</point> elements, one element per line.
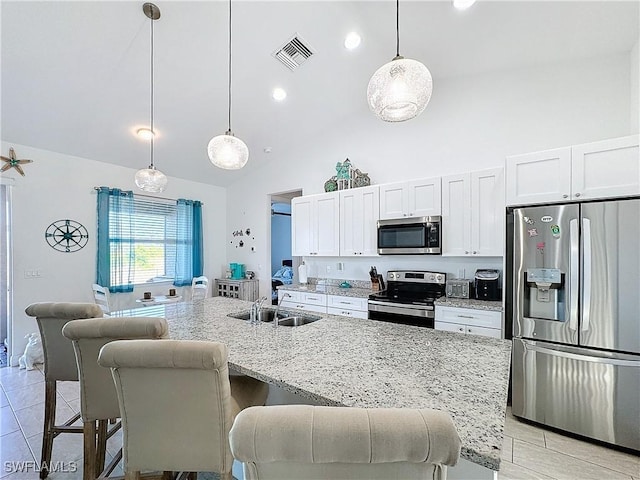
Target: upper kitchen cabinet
<point>605,169</point>
<point>473,214</point>
<point>315,225</point>
<point>359,212</point>
<point>417,198</point>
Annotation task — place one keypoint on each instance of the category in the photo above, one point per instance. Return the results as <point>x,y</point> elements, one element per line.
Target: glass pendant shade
<point>228,152</point>
<point>399,90</point>
<point>151,180</point>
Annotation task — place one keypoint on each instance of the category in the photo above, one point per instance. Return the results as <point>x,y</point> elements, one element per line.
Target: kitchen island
<point>344,361</point>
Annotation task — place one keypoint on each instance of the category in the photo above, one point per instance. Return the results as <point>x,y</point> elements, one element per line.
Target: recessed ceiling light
<point>463,4</point>
<point>352,41</point>
<point>279,94</point>
<point>145,133</point>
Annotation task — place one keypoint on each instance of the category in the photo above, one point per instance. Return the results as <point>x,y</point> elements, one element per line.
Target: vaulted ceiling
<point>76,79</point>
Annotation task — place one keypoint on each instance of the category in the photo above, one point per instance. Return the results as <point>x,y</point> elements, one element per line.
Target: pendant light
<point>228,151</point>
<point>400,89</point>
<point>150,179</point>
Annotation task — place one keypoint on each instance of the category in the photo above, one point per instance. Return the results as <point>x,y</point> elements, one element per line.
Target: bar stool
<point>59,364</point>
<point>98,397</point>
<point>178,404</point>
<point>307,443</point>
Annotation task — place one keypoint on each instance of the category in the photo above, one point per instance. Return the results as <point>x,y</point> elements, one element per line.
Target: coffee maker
<point>487,285</point>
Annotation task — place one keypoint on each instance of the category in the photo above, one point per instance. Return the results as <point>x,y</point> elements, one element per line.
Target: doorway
<point>5,272</point>
<point>282,263</point>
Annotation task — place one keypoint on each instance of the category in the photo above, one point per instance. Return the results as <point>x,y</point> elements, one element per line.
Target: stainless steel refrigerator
<point>576,318</point>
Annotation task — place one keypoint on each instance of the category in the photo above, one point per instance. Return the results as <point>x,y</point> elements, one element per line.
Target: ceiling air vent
<point>293,53</point>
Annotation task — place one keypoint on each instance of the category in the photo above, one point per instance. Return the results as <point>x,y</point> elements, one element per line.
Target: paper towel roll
<point>302,273</point>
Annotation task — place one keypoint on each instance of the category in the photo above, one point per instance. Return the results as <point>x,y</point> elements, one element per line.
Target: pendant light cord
<point>397,28</point>
<point>153,132</point>
<point>229,65</point>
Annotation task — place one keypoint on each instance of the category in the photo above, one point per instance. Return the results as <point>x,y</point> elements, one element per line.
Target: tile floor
<point>529,452</point>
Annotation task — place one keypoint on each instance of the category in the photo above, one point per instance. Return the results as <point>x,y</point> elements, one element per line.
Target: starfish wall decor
<point>12,162</point>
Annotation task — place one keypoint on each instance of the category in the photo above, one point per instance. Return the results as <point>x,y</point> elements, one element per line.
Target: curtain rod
<point>150,196</point>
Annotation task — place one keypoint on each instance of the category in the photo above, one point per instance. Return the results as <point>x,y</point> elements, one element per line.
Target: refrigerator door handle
<point>586,282</point>
<point>573,279</point>
<point>559,352</point>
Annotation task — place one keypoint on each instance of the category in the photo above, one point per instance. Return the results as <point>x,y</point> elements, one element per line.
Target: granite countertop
<point>344,361</point>
<point>469,303</point>
<point>329,290</point>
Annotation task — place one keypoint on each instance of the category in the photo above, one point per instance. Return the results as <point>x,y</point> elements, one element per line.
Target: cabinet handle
<point>465,316</point>
<point>404,214</point>
<point>461,329</point>
<point>474,252</point>
<point>466,252</point>
<point>565,196</point>
<point>577,194</point>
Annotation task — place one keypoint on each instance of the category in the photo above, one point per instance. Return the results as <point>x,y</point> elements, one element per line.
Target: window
<point>145,239</point>
<point>152,237</point>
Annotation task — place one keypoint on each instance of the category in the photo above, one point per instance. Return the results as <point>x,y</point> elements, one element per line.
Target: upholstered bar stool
<point>305,442</point>
<point>59,364</point>
<point>177,404</point>
<point>98,397</point>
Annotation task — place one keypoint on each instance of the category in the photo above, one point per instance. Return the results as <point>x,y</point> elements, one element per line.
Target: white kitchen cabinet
<point>604,169</point>
<point>310,301</point>
<point>487,323</point>
<point>473,214</point>
<point>347,306</point>
<point>359,212</point>
<point>315,225</point>
<point>416,198</point>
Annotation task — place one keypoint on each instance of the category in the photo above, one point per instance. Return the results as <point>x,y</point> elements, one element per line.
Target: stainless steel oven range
<point>408,298</point>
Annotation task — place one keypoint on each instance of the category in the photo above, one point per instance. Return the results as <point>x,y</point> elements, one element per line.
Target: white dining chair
<point>101,297</point>
<point>199,288</point>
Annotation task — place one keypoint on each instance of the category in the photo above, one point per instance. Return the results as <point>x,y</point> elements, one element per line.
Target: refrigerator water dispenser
<point>546,294</point>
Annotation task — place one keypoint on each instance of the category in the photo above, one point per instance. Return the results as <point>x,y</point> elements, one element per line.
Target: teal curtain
<point>189,257</point>
<point>115,255</point>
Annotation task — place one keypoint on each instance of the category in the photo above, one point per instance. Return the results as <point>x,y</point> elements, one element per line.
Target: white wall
<point>58,186</point>
<point>634,69</point>
<point>472,123</point>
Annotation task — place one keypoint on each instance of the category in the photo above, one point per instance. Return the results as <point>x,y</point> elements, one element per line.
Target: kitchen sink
<point>285,318</point>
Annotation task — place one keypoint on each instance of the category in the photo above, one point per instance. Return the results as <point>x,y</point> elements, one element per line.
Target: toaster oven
<point>458,288</point>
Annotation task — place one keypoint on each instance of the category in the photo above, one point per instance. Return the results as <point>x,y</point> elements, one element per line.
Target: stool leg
<point>131,475</point>
<point>101,448</point>
<point>49,423</point>
<point>89,441</point>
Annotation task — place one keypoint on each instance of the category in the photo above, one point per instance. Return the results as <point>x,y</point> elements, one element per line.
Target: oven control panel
<point>417,277</point>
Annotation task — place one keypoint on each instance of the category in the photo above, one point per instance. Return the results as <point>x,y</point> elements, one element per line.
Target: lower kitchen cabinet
<point>322,303</point>
<point>313,302</point>
<point>347,306</point>
<point>487,323</point>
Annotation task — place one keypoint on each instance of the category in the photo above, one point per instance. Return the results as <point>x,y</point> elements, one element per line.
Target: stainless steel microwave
<point>410,236</point>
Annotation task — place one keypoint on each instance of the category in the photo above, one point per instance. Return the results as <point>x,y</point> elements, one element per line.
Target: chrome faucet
<point>256,307</point>
<point>275,316</point>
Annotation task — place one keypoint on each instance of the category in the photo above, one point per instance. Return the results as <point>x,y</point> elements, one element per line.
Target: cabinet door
<point>485,332</point>
<point>610,168</point>
<point>326,231</point>
<point>456,215</point>
<point>424,197</point>
<point>350,222</point>
<point>369,219</point>
<point>449,327</point>
<point>393,200</point>
<point>487,213</point>
<point>539,177</point>
<point>302,226</point>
